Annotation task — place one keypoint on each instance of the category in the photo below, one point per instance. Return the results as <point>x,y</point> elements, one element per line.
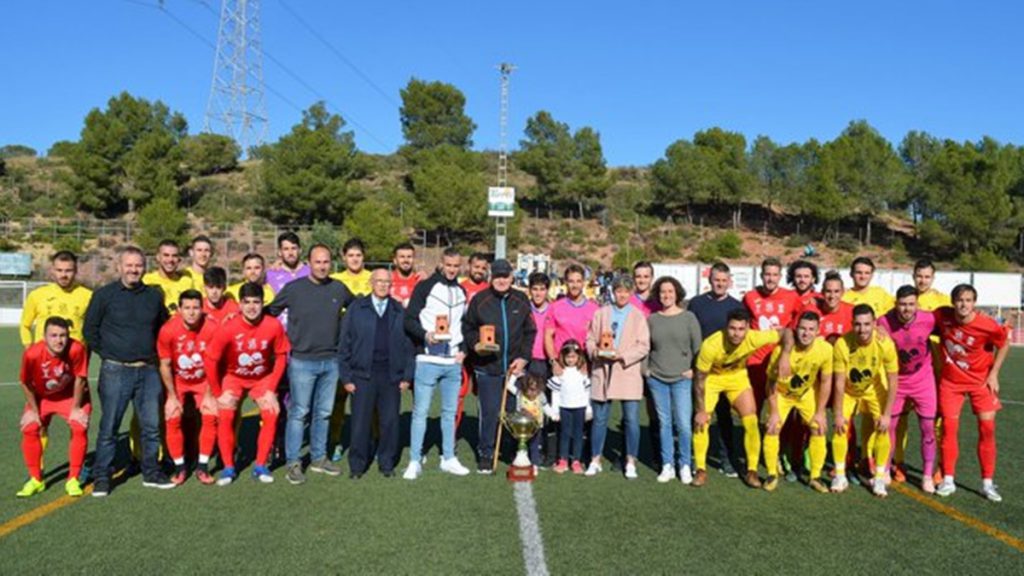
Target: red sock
<point>950,445</point>
<point>987,448</point>
<point>226,437</point>
<point>175,439</point>
<point>32,450</point>
<point>208,435</point>
<point>76,450</point>
<point>265,441</point>
<point>463,392</point>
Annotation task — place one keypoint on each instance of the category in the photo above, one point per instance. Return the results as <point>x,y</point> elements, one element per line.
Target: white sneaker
<point>686,475</point>
<point>991,493</point>
<point>839,483</point>
<point>878,487</point>
<point>928,485</point>
<point>946,488</point>
<point>594,469</point>
<point>453,467</point>
<point>413,471</point>
<point>668,472</point>
<point>630,471</point>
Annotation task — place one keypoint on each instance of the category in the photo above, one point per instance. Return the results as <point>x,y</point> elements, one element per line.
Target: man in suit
<point>375,365</point>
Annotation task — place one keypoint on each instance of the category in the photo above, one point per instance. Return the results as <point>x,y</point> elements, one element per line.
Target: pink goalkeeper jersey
<point>539,320</point>
<point>570,321</point>
<point>911,340</point>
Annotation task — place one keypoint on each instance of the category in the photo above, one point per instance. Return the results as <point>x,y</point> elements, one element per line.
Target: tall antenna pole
<point>501,222</point>
<point>237,107</point>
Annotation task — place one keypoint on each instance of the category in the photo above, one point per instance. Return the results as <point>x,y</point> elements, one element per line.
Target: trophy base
<point>520,474</point>
<point>442,337</point>
<point>486,348</point>
<point>606,354</point>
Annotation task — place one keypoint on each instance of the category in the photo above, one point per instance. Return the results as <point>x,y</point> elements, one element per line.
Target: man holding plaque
<point>434,321</point>
<point>499,332</point>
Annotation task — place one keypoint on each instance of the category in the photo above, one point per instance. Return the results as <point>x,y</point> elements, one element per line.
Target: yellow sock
<point>701,440</point>
<point>882,448</point>
<point>817,449</point>
<point>839,448</point>
<point>752,443</point>
<point>901,441</point>
<point>771,453</point>
<point>135,438</point>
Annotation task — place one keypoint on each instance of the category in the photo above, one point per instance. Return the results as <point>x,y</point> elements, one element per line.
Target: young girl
<point>531,400</point>
<point>570,403</point>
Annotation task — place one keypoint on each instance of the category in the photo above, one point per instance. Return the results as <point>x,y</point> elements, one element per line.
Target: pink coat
<point>622,379</point>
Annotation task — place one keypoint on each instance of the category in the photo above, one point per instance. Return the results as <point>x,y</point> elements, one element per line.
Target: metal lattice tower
<point>501,223</point>
<point>236,107</point>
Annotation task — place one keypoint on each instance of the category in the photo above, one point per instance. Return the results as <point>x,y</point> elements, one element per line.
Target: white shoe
<point>991,493</point>
<point>928,485</point>
<point>594,469</point>
<point>839,483</point>
<point>686,475</point>
<point>878,487</point>
<point>945,488</point>
<point>630,471</point>
<point>413,471</point>
<point>453,467</point>
<point>668,472</point>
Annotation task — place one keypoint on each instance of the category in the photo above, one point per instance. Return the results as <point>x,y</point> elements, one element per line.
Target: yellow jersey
<point>805,365</point>
<point>268,293</point>
<point>52,300</point>
<point>358,284</point>
<point>728,363</point>
<point>197,279</point>
<point>875,296</point>
<point>933,300</point>
<point>865,366</point>
<point>172,288</point>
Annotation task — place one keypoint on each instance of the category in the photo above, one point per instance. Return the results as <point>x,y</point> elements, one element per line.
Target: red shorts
<point>237,387</point>
<point>951,399</point>
<point>60,406</point>
<point>196,391</point>
<point>758,375</point>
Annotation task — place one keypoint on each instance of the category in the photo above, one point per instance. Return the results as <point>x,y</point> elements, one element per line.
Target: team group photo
<point>407,288</point>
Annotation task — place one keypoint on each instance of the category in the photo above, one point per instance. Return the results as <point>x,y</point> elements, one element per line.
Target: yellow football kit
<point>52,300</point>
<point>799,392</point>
<point>875,296</point>
<point>358,284</point>
<point>866,368</point>
<point>268,293</point>
<point>726,369</point>
<point>172,287</point>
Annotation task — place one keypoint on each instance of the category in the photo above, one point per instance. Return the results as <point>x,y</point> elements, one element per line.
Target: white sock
<point>840,469</point>
<point>986,483</point>
<point>947,479</point>
<point>204,458</point>
<point>179,461</point>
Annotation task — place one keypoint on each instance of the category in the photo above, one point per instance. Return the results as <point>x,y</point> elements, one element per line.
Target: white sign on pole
<point>501,202</point>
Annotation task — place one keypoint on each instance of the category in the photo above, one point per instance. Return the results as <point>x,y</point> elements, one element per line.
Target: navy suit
<point>376,364</point>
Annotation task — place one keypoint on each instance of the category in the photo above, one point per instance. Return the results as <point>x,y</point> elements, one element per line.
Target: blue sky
<point>642,73</point>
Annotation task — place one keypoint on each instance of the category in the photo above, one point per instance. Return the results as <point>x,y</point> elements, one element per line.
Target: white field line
<point>529,530</point>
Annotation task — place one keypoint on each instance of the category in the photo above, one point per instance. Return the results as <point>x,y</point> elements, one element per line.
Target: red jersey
<point>250,352</point>
<point>770,312</point>
<point>471,288</point>
<point>228,306</point>
<point>53,376</point>
<point>186,349</point>
<point>968,349</point>
<point>807,298</point>
<point>833,324</point>
<point>402,287</point>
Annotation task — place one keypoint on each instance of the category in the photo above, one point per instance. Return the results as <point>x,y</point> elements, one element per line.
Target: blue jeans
<point>447,377</point>
<point>630,419</point>
<point>313,385</point>
<point>118,386</point>
<point>674,403</point>
<point>572,421</point>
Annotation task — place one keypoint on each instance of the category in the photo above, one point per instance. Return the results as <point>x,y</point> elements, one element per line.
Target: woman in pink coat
<point>617,374</point>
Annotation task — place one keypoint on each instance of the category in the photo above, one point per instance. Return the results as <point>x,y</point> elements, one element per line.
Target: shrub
<point>797,241</point>
<point>982,261</point>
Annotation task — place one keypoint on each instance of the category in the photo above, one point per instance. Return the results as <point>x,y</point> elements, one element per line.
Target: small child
<point>531,400</point>
<point>570,405</point>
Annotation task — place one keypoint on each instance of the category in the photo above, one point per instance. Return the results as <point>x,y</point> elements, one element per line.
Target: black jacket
<point>358,330</point>
<point>514,331</point>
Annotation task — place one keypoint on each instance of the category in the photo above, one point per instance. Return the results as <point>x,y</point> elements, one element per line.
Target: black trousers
<point>385,397</point>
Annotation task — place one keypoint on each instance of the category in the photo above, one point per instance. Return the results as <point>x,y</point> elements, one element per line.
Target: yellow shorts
<point>870,404</point>
<point>806,406</point>
<point>732,387</point>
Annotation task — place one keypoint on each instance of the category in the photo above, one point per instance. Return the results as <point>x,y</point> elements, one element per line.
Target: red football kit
<point>250,358</point>
<point>769,311</point>
<point>219,314</point>
<point>52,380</point>
<point>968,353</point>
<point>185,349</point>
<point>402,286</point>
<point>833,324</point>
